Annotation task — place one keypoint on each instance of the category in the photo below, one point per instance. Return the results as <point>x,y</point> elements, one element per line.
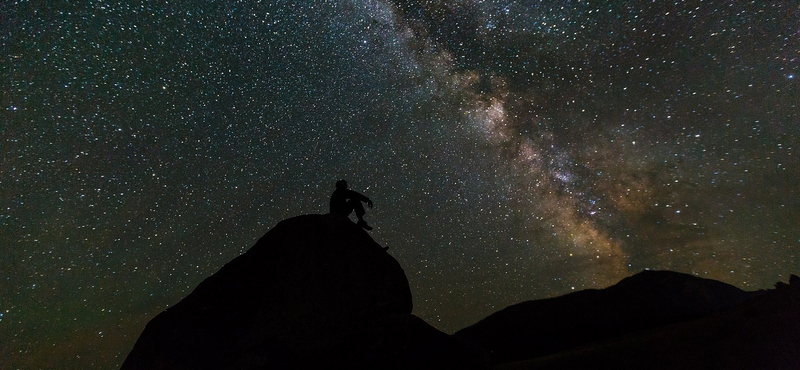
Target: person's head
<point>341,184</point>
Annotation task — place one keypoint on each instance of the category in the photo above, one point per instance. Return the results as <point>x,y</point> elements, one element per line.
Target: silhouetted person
<point>344,201</point>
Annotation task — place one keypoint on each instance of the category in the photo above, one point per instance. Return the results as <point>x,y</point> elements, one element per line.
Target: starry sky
<point>514,150</point>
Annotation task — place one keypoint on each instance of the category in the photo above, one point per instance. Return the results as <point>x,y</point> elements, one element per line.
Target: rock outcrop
<point>314,292</point>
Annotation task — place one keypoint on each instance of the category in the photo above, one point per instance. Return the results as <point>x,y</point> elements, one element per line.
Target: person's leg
<point>359,208</point>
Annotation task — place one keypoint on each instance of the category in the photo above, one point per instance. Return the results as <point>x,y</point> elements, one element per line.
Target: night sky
<point>514,150</point>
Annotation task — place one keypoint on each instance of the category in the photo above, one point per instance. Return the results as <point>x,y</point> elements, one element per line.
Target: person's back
<point>338,202</point>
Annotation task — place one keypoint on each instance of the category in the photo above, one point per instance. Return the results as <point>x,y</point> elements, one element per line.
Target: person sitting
<point>344,201</point>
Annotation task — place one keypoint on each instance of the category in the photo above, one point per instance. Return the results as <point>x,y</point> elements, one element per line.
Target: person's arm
<point>361,197</point>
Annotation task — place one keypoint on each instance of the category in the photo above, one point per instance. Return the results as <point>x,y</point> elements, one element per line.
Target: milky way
<point>515,150</point>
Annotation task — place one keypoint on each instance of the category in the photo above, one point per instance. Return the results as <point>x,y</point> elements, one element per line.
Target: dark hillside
<point>641,302</point>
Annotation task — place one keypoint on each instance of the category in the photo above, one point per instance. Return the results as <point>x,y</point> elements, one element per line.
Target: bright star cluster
<point>515,150</point>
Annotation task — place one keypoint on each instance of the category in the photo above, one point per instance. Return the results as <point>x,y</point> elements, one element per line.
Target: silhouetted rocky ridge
<point>652,320</point>
<point>317,292</point>
<point>314,292</point>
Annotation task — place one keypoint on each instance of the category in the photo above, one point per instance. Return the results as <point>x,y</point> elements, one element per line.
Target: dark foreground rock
<point>314,292</point>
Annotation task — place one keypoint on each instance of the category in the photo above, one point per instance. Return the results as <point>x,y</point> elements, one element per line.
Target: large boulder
<point>314,292</point>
